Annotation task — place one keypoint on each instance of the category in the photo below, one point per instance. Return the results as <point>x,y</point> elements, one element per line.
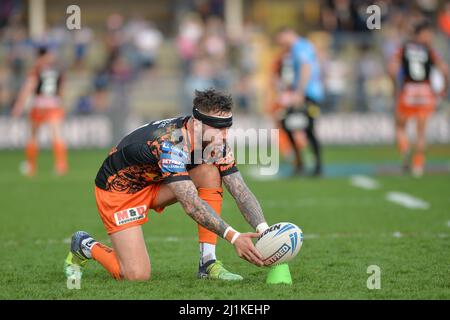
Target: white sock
<point>86,246</point>
<point>207,252</point>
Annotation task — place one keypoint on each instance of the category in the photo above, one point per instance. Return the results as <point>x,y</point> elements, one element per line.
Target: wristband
<point>230,234</point>
<point>263,226</point>
<point>228,229</point>
<point>235,236</point>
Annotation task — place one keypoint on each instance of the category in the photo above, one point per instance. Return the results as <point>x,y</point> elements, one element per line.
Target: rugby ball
<point>280,243</point>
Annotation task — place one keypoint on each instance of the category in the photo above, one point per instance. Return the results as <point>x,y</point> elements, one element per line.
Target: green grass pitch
<point>346,230</point>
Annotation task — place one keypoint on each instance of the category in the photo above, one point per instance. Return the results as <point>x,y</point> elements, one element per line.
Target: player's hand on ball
<point>246,250</point>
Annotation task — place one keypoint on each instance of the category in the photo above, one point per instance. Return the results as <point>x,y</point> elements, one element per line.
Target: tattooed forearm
<point>196,208</point>
<point>245,199</point>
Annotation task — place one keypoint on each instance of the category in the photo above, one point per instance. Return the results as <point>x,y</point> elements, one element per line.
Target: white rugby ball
<point>280,243</point>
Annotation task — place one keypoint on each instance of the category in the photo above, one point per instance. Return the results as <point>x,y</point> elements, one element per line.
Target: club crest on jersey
<point>130,215</point>
<point>168,147</point>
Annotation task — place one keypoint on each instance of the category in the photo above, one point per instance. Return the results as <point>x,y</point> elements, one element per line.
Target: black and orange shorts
<point>120,211</point>
<point>43,115</point>
<point>416,101</point>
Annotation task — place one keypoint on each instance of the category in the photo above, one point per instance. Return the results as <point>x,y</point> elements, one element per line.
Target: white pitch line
<point>312,202</point>
<point>364,182</point>
<point>407,200</point>
<point>311,236</point>
<point>307,236</point>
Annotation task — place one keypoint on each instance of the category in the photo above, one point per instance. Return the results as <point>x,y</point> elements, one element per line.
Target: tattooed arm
<point>245,199</point>
<point>202,213</point>
<point>196,208</point>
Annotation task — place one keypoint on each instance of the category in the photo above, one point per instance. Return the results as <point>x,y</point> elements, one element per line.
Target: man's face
<point>48,59</point>
<point>214,139</point>
<point>284,39</point>
<point>425,36</point>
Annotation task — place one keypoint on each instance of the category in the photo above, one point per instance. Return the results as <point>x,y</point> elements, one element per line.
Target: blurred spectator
<point>82,39</point>
<point>18,53</point>
<point>84,105</point>
<point>200,78</point>
<point>355,78</point>
<point>335,69</point>
<point>428,7</point>
<point>8,8</point>
<point>114,33</point>
<point>5,98</point>
<point>121,74</point>
<point>244,92</point>
<point>189,33</point>
<point>147,41</point>
<point>444,19</point>
<point>214,47</point>
<point>246,61</point>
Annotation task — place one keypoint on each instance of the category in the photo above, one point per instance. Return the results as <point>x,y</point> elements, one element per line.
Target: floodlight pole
<point>234,23</point>
<point>36,18</point>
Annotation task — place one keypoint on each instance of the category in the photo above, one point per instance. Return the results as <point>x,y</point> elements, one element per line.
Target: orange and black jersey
<point>160,151</point>
<point>49,81</point>
<point>416,62</point>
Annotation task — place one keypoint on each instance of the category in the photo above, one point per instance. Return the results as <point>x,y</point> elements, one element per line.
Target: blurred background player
<point>302,92</point>
<point>276,110</point>
<point>410,69</point>
<point>44,82</point>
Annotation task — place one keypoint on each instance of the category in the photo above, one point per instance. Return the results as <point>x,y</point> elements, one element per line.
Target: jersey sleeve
<point>227,164</point>
<point>173,159</point>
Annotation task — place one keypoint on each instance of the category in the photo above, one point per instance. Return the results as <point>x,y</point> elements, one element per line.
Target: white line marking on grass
<point>407,200</point>
<point>364,182</point>
<point>313,202</point>
<point>448,223</point>
<point>311,236</point>
<point>10,243</point>
<point>184,239</point>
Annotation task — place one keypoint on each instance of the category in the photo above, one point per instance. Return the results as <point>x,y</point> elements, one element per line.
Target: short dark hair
<point>421,26</point>
<point>42,50</point>
<point>211,100</point>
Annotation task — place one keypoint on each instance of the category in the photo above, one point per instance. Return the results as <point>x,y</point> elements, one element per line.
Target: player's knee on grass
<point>206,176</point>
<point>136,273</point>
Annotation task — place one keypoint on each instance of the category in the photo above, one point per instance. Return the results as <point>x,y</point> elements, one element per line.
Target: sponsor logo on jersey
<point>168,147</point>
<point>172,165</point>
<point>130,215</point>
